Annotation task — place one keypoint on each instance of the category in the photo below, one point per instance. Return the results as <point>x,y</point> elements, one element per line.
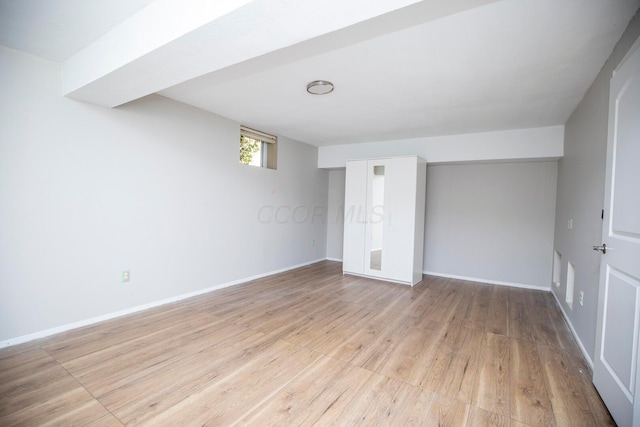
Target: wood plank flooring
<point>313,347</point>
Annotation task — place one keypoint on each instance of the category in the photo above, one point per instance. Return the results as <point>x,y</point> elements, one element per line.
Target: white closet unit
<point>384,218</point>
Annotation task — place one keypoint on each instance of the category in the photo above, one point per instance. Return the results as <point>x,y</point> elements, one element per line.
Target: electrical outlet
<point>313,242</point>
<point>570,224</point>
<point>126,276</point>
<point>581,300</point>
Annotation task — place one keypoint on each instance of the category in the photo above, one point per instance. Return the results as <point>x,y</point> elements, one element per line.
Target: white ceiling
<point>56,29</point>
<point>408,70</point>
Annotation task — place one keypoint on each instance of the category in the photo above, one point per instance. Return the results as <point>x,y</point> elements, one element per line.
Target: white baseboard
<point>334,259</point>
<point>126,311</point>
<point>491,282</point>
<point>575,334</point>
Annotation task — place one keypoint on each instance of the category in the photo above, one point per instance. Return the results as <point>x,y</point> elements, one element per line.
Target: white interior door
<point>615,373</point>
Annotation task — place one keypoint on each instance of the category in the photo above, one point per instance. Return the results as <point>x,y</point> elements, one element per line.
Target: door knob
<point>602,248</point>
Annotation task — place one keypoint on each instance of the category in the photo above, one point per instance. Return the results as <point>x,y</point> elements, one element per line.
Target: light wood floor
<point>312,346</point>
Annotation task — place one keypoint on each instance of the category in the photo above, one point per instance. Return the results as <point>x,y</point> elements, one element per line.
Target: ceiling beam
<point>172,41</point>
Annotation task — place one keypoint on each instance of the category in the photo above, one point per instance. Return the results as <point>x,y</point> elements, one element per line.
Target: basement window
<point>258,148</point>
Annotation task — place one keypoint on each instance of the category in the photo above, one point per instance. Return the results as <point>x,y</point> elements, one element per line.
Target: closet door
<point>401,222</point>
<point>376,257</point>
<point>355,217</point>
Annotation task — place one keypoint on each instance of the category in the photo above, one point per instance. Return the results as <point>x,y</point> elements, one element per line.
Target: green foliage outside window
<point>248,147</point>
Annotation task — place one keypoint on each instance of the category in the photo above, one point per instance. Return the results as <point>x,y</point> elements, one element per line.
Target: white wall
<point>153,187</point>
<point>492,222</point>
<point>508,145</point>
<point>335,217</point>
<point>581,177</point>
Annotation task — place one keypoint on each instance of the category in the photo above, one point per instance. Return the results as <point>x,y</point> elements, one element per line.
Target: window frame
<point>268,146</point>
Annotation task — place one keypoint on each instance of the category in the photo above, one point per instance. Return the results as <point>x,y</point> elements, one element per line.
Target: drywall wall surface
<point>493,222</point>
<point>335,217</point>
<point>581,177</point>
<point>153,187</point>
<point>509,145</point>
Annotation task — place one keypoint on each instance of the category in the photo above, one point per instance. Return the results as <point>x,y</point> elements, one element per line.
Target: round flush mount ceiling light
<point>320,87</point>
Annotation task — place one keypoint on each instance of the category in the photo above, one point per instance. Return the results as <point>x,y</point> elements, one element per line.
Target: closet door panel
<point>400,197</point>
<point>376,237</point>
<point>355,216</point>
